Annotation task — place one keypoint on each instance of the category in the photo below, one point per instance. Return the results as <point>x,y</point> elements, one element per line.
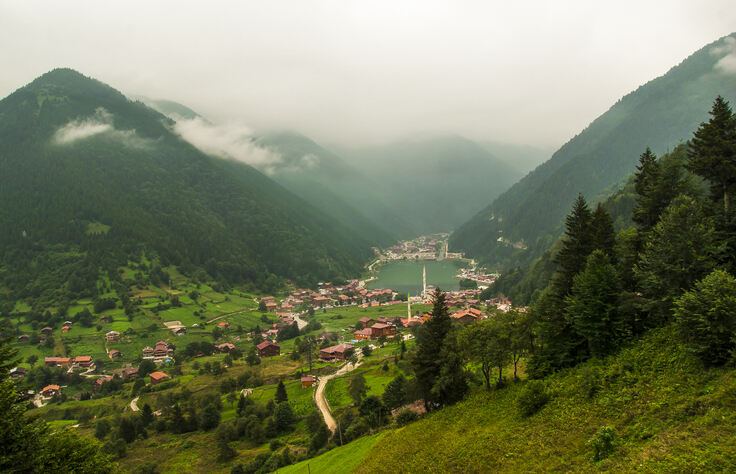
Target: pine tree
<point>645,178</point>
<point>576,245</point>
<point>281,395</point>
<point>430,339</point>
<point>592,306</point>
<point>602,233</point>
<point>712,152</point>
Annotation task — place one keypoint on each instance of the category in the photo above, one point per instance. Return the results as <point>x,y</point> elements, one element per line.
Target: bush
<point>405,417</point>
<point>532,398</point>
<point>590,381</point>
<point>603,443</point>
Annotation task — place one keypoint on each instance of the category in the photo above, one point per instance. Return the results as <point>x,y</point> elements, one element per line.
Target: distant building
<point>226,347</point>
<point>100,381</point>
<point>114,354</point>
<point>17,373</point>
<point>268,349</point>
<point>363,334</point>
<point>158,377</point>
<point>112,336</point>
<point>307,381</point>
<point>130,373</point>
<point>335,352</point>
<point>23,338</point>
<point>50,390</point>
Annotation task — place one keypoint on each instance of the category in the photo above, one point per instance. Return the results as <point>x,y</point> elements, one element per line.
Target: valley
<point>181,293</point>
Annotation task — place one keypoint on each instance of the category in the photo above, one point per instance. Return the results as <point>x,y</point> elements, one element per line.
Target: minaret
<point>408,307</point>
<point>424,281</point>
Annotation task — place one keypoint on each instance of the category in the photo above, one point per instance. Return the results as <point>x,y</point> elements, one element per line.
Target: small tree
<point>357,388</point>
<point>281,395</point>
<point>394,395</point>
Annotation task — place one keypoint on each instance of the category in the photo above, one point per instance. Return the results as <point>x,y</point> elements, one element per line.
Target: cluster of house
<point>126,374</point>
<point>421,248</point>
<point>375,329</point>
<point>160,351</point>
<point>480,277</point>
<point>79,361</point>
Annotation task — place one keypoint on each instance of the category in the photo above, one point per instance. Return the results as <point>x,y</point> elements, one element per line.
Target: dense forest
<point>92,180</point>
<point>660,115</point>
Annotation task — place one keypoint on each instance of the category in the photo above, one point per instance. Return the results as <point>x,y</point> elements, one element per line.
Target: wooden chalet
<point>335,352</point>
<point>268,349</point>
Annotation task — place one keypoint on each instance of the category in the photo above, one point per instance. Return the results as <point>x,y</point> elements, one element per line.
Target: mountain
<point>92,180</point>
<point>660,115</point>
<point>169,108</point>
<point>325,180</point>
<point>435,183</point>
<point>522,158</point>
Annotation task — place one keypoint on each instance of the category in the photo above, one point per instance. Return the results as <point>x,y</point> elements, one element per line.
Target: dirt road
<point>319,395</point>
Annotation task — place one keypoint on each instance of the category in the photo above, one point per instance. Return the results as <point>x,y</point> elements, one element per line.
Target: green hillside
<point>667,412</point>
<point>436,184</point>
<point>91,178</point>
<point>660,114</point>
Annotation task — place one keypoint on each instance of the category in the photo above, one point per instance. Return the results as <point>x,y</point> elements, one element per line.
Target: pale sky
<point>527,72</point>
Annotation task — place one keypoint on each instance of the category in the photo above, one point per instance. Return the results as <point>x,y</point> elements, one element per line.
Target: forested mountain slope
<point>89,176</point>
<point>660,114</point>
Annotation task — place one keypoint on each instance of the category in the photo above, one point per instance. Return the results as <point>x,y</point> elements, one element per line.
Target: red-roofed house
<point>226,347</point>
<point>83,361</point>
<point>268,349</point>
<point>50,390</point>
<point>158,377</point>
<point>335,352</point>
<point>307,381</point>
<point>381,329</point>
<point>363,334</point>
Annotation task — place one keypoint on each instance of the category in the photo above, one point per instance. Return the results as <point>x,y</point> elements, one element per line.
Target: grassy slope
<point>340,460</point>
<point>669,413</point>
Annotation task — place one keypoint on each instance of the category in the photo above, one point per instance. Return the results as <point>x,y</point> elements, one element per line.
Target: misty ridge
<point>100,123</point>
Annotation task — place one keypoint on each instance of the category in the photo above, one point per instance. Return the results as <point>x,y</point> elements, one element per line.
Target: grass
<point>668,413</point>
<point>339,460</point>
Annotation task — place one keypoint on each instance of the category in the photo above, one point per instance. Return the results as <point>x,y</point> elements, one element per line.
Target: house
<point>65,329</point>
<point>180,331</point>
<point>50,390</point>
<point>58,361</point>
<point>464,317</point>
<point>307,381</point>
<point>271,307</point>
<point>161,349</point>
<point>320,301</point>
<point>17,373</point>
<point>23,338</point>
<point>268,349</point>
<point>83,361</point>
<point>47,331</point>
<point>366,322</point>
<point>382,329</point>
<point>335,352</point>
<point>223,325</point>
<point>363,334</point>
<point>147,351</point>
<point>114,354</point>
<point>112,336</point>
<point>158,377</point>
<point>98,383</point>
<point>130,373</point>
<point>226,347</point>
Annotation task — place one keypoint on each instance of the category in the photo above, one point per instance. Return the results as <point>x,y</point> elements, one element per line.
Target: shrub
<point>532,398</point>
<point>406,416</point>
<point>603,443</point>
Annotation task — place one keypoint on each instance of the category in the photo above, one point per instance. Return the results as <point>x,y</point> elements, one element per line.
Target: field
<point>337,461</point>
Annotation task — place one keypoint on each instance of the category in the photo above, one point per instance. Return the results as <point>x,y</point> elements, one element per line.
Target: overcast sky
<point>530,72</point>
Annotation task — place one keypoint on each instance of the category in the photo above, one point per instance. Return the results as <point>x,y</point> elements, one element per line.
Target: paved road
<point>319,396</point>
<point>134,404</point>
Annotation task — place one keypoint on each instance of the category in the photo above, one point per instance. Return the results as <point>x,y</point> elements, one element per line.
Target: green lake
<point>405,276</point>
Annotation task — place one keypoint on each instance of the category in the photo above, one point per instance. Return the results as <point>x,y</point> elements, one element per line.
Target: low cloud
<point>226,141</point>
<point>101,122</point>
<point>727,48</point>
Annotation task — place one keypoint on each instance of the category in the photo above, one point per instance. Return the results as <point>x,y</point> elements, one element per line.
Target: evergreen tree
<point>210,417</point>
<point>283,416</point>
<point>645,215</point>
<point>706,316</point>
<point>602,233</point>
<point>712,152</point>
<point>451,385</point>
<point>357,388</point>
<point>592,306</point>
<point>576,245</point>
<point>430,339</point>
<point>281,395</point>
<point>681,249</point>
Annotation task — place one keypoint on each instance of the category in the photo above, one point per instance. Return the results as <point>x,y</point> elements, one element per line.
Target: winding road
<point>319,394</point>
